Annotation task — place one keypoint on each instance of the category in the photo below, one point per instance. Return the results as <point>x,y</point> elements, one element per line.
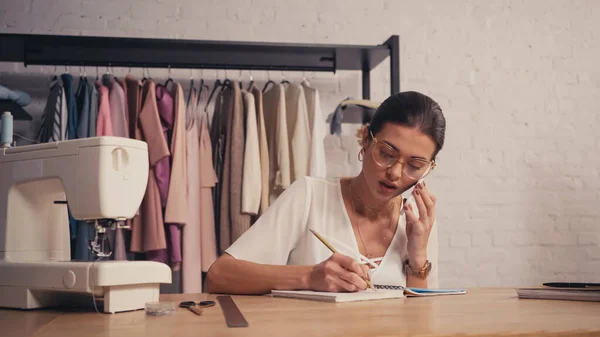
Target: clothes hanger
<point>201,90</point>
<point>54,77</point>
<point>251,82</point>
<point>304,79</point>
<point>147,76</point>
<point>268,82</point>
<point>190,116</point>
<point>283,80</point>
<point>169,79</point>
<point>81,83</point>
<point>218,83</point>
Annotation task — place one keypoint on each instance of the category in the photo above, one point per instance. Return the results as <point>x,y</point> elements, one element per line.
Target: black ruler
<point>233,315</point>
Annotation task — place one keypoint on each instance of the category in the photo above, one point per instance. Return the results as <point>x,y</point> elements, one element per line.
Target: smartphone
<point>408,194</point>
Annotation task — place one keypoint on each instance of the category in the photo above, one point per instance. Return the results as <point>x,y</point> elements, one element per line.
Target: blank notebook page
<point>364,295</point>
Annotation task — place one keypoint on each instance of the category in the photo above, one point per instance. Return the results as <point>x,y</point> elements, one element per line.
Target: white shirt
<point>318,167</point>
<point>251,179</point>
<point>281,235</point>
<point>298,130</point>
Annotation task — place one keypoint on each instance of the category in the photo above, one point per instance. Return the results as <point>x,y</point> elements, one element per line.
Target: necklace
<point>385,239</point>
<point>367,207</point>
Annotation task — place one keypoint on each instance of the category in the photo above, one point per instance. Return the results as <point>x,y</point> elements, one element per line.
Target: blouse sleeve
<point>275,234</point>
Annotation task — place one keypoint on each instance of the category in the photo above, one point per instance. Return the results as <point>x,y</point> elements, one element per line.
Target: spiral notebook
<point>379,293</point>
<point>365,295</point>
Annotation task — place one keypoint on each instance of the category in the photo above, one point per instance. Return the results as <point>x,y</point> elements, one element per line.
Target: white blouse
<point>281,235</point>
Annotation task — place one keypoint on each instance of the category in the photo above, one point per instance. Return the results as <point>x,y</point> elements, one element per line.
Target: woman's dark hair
<point>415,110</point>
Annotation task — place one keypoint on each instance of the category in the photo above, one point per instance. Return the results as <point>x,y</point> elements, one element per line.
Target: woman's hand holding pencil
<point>339,272</point>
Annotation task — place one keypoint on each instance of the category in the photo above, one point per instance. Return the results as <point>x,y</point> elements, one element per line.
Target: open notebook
<point>385,292</point>
<point>365,295</point>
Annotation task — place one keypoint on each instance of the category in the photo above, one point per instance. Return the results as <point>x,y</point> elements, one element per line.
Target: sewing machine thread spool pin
<point>7,130</point>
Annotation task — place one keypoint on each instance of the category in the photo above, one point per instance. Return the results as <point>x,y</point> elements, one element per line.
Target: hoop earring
<point>361,155</point>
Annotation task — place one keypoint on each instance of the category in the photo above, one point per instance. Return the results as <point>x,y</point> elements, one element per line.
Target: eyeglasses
<point>386,156</point>
<point>201,304</point>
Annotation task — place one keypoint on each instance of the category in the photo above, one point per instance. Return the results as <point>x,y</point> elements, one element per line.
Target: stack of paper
<point>568,294</point>
<point>364,295</point>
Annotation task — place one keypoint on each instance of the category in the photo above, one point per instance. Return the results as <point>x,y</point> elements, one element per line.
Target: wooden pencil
<point>333,250</point>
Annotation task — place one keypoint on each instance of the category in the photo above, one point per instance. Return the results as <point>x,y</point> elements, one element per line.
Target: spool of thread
<point>7,129</point>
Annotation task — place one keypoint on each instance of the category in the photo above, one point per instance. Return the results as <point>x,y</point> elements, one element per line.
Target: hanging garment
<point>118,116</point>
<point>251,175</point>
<point>233,222</point>
<point>208,179</point>
<point>85,231</point>
<point>176,209</point>
<point>123,86</point>
<point>120,244</point>
<point>134,104</point>
<point>317,166</point>
<point>165,105</point>
<point>274,106</point>
<point>117,106</point>
<point>191,265</point>
<point>162,170</point>
<point>147,231</point>
<point>104,123</point>
<point>218,134</point>
<point>83,108</point>
<point>298,130</point>
<point>263,149</point>
<point>71,106</point>
<point>93,118</point>
<point>51,128</point>
<point>176,203</point>
<point>71,134</point>
<point>64,116</point>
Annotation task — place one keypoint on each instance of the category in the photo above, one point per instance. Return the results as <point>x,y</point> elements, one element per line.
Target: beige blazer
<point>263,149</point>
<point>274,106</point>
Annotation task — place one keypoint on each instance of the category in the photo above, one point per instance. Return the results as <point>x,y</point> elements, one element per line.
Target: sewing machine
<point>103,180</point>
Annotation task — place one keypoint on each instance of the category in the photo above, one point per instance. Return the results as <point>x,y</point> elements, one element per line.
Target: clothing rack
<point>68,50</point>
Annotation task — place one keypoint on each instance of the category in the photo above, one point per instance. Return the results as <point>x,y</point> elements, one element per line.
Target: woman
<point>363,217</point>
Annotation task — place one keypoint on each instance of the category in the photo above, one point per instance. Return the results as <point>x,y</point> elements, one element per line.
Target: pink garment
<point>172,116</point>
<point>176,211</point>
<point>191,266</point>
<point>103,123</point>
<point>117,107</point>
<point>208,180</point>
<point>199,243</point>
<point>164,101</point>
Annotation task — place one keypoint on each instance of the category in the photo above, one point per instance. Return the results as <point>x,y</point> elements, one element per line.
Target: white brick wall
<point>518,182</point>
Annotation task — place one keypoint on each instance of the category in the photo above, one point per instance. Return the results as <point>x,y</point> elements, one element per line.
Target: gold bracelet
<point>421,273</point>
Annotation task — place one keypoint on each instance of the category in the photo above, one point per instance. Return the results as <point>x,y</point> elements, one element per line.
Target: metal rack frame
<point>33,49</point>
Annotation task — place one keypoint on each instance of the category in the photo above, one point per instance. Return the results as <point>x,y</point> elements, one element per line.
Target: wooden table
<point>482,312</point>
